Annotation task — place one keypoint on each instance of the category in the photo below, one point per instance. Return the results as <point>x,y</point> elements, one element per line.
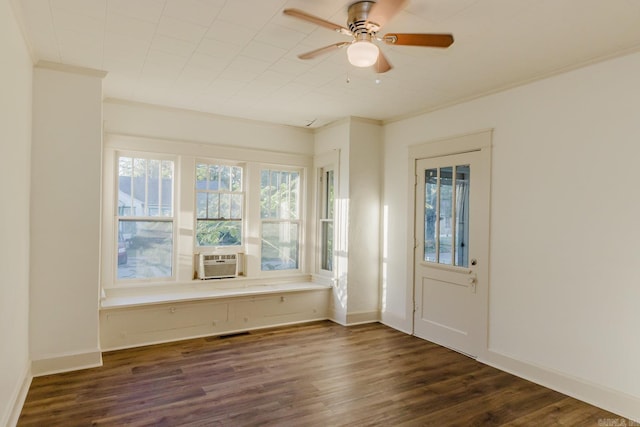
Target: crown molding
<point>90,72</point>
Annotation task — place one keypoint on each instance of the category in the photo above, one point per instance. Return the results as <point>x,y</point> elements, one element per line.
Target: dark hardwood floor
<point>317,374</point>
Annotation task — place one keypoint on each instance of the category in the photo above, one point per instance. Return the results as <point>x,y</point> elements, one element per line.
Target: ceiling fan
<point>365,18</point>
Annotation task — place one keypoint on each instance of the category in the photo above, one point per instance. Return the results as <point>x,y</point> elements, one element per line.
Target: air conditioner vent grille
<point>217,266</point>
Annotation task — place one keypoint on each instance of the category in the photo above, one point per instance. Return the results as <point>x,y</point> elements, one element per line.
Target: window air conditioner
<point>212,266</point>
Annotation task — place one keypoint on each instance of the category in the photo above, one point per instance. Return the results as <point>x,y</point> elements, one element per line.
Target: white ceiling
<point>238,57</point>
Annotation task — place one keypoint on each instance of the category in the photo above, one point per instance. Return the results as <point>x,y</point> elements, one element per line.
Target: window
<point>280,216</point>
<point>326,220</point>
<point>144,218</point>
<point>446,239</point>
<point>166,202</point>
<point>219,205</point>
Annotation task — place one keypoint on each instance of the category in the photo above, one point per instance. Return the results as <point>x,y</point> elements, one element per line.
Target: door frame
<point>479,141</point>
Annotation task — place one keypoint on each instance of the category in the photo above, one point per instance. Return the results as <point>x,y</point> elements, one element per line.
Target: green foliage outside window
<point>280,212</point>
<point>219,205</point>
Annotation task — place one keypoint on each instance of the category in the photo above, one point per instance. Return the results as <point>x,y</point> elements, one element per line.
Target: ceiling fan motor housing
<point>357,20</point>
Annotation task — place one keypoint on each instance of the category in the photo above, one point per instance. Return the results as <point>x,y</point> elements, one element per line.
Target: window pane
<point>145,187</point>
<point>279,194</point>
<point>265,194</point>
<point>201,176</point>
<point>236,206</point>
<point>140,167</point>
<point>327,246</point>
<point>236,178</point>
<point>463,176</point>
<point>430,214</point>
<point>125,199</point>
<point>225,206</point>
<point>138,187</point>
<point>213,205</point>
<point>214,177</point>
<point>279,200</point>
<point>222,223</point>
<point>279,246</point>
<point>330,197</point>
<point>145,249</point>
<point>153,188</point>
<point>125,166</point>
<point>276,191</point>
<point>446,215</point>
<point>294,191</point>
<point>225,178</point>
<point>218,233</point>
<point>166,188</point>
<point>154,169</point>
<point>201,205</point>
<point>326,221</point>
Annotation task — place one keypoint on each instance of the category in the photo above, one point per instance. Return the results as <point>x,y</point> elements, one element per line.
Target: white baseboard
<point>396,322</point>
<point>625,405</point>
<point>10,419</point>
<point>66,363</point>
<point>337,317</point>
<point>361,317</point>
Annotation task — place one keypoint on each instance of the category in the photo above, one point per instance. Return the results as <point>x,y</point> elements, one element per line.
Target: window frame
<point>450,192</point>
<point>300,221</point>
<point>243,220</point>
<point>329,160</point>
<point>324,217</point>
<point>117,218</point>
<point>185,155</point>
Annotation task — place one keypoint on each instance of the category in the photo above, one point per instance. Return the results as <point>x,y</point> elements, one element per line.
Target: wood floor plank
<point>315,374</point>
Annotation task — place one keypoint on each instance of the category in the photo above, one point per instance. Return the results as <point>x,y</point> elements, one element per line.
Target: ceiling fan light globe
<point>362,53</point>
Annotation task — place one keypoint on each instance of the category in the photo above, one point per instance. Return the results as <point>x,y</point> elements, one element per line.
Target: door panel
<point>451,254</point>
<point>439,294</point>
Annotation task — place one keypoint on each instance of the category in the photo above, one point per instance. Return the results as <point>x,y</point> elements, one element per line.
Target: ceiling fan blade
<point>427,40</point>
<point>383,10</point>
<point>297,13</point>
<point>382,65</point>
<point>322,50</point>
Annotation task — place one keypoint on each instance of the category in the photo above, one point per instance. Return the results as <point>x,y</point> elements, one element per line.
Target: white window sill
<point>198,290</point>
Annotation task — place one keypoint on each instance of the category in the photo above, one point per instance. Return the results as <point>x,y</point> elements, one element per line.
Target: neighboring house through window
<point>145,218</point>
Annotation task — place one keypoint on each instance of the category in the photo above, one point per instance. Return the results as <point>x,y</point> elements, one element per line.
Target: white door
<point>451,251</point>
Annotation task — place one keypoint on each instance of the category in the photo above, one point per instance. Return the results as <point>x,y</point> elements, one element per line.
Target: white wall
<point>564,229</point>
<point>65,219</point>
<point>328,138</point>
<point>192,134</point>
<point>365,194</point>
<point>15,167</point>
<point>181,125</point>
<point>356,293</point>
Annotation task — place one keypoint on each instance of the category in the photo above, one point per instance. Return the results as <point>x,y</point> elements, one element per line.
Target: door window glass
<point>462,216</point>
<point>446,215</point>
